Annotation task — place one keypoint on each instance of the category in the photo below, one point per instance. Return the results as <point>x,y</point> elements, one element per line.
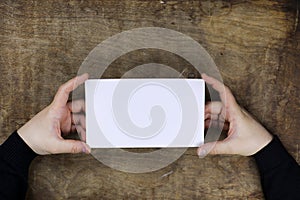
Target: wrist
<point>25,133</point>
<point>265,140</point>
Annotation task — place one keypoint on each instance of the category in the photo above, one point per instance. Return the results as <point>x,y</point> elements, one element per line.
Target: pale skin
<point>245,135</point>
<point>43,133</point>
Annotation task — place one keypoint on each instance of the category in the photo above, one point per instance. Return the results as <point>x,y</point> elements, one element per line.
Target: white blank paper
<point>144,113</point>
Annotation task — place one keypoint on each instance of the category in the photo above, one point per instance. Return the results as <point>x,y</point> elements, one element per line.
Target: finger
<point>78,119</point>
<point>76,106</point>
<point>220,118</point>
<point>214,107</point>
<point>81,132</point>
<point>207,123</point>
<point>224,92</point>
<point>214,148</point>
<point>211,123</point>
<point>73,129</point>
<point>211,116</point>
<point>220,124</point>
<point>216,110</point>
<point>214,123</point>
<point>73,146</point>
<point>64,90</point>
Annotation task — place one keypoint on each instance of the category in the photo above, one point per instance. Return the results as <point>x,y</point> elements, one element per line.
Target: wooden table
<point>255,44</point>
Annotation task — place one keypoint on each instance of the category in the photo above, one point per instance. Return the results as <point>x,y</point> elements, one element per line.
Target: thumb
<point>214,148</point>
<point>74,146</point>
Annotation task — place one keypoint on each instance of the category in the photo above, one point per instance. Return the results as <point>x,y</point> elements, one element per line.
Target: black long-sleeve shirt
<point>15,159</point>
<point>280,173</point>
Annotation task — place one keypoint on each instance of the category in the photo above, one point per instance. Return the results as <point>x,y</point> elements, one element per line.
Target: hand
<point>245,135</point>
<point>43,133</point>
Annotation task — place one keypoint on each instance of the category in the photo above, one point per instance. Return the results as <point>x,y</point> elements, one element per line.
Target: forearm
<point>280,173</point>
<point>15,158</point>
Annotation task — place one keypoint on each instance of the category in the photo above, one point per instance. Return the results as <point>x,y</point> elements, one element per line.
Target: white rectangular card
<point>144,113</point>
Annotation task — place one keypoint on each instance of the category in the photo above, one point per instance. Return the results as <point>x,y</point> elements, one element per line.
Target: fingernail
<point>202,153</point>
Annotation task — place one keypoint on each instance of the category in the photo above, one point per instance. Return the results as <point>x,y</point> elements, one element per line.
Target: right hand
<point>245,135</point>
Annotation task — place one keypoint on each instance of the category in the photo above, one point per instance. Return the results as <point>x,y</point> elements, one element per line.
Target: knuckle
<point>61,88</point>
<point>74,149</point>
<point>213,151</point>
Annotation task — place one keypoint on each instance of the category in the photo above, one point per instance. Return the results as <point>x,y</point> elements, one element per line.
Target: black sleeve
<point>280,173</point>
<point>15,159</point>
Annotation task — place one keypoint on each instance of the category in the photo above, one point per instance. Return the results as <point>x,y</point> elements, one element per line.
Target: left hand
<point>43,133</point>
<point>245,136</point>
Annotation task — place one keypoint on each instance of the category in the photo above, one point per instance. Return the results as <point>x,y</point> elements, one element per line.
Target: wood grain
<point>254,43</point>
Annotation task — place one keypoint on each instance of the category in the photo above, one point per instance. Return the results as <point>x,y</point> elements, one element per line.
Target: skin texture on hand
<point>43,133</point>
<point>245,135</point>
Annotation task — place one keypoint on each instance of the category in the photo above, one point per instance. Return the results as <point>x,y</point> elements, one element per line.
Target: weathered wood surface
<point>255,44</point>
